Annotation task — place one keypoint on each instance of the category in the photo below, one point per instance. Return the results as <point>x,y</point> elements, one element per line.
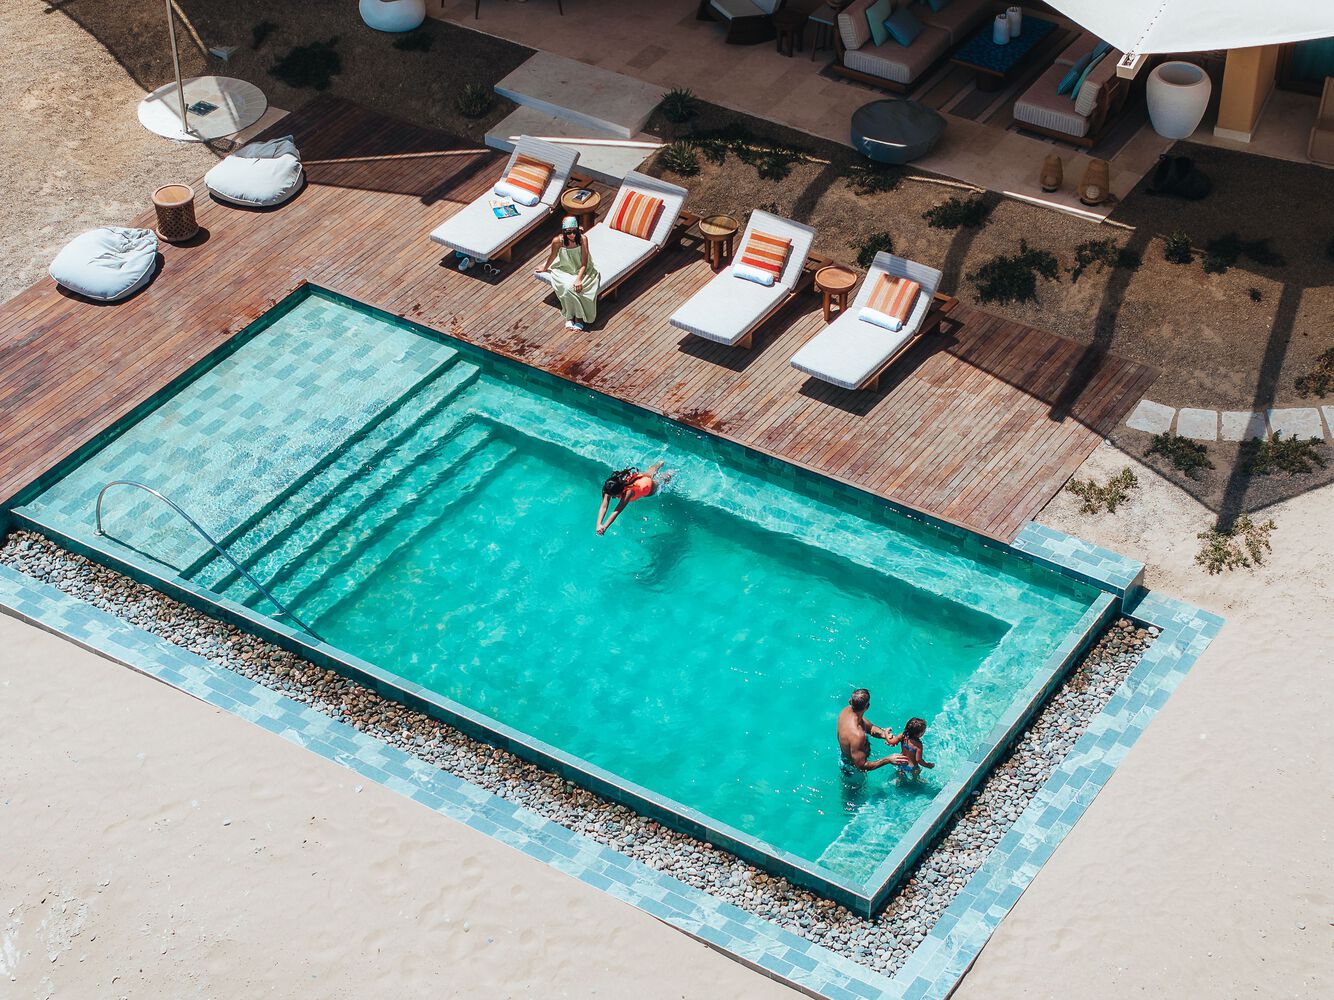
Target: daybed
<point>1092,95</point>
<point>871,54</point>
<point>729,309</point>
<point>107,264</point>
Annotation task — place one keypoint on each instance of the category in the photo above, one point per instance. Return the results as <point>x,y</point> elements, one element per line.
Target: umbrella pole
<point>176,63</point>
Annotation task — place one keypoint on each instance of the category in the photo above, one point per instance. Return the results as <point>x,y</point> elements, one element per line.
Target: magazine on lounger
<point>503,208</point>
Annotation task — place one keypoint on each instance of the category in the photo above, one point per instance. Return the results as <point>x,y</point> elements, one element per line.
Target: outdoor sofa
<point>1091,99</point>
<point>886,63</point>
<point>729,309</point>
<point>852,352</point>
<point>617,253</point>
<point>476,232</point>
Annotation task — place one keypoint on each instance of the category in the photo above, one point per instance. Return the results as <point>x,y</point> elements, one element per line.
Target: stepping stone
<point>1299,421</point>
<point>606,100</point>
<point>1328,411</point>
<point>1242,425</point>
<point>1151,417</point>
<point>1198,425</point>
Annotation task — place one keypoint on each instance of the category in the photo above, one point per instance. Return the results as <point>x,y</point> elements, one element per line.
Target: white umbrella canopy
<point>1148,26</point>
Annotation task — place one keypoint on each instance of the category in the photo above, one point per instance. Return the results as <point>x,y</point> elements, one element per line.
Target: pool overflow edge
<point>1118,579</point>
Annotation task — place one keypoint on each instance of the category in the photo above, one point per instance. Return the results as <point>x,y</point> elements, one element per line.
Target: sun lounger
<point>475,231</point>
<point>728,310</point>
<point>851,352</point>
<point>618,255</point>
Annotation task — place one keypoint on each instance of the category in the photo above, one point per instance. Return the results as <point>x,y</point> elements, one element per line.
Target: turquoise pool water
<point>431,510</point>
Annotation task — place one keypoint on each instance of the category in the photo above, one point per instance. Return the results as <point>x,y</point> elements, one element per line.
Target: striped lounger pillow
<point>891,302</point>
<point>637,215</point>
<point>526,181</point>
<point>762,258</point>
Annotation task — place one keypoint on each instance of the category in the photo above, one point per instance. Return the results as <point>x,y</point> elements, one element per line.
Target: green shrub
<point>1263,456</point>
<point>1108,496</point>
<point>1014,278</point>
<point>959,213</point>
<point>1185,455</point>
<point>313,65</point>
<point>678,105</point>
<point>1104,253</point>
<point>869,177</point>
<point>1319,381</point>
<point>1176,248</point>
<point>474,100</point>
<point>681,159</point>
<point>872,245</point>
<point>414,41</point>
<point>1242,544</point>
<point>771,158</point>
<point>260,33</point>
<point>1224,252</point>
<point>1255,294</point>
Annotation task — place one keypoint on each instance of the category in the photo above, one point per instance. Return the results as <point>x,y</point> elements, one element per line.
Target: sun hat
<point>569,222</point>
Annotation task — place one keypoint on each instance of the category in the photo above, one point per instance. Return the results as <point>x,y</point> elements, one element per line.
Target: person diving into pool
<point>628,485</point>
<point>855,731</point>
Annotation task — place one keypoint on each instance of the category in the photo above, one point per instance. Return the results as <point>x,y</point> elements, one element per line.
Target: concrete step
<point>577,92</point>
<point>607,158</point>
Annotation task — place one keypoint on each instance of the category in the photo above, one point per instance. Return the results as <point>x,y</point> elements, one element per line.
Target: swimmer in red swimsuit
<point>627,485</point>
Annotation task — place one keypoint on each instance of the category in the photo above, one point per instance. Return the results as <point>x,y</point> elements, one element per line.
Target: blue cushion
<point>1067,83</point>
<point>107,264</point>
<point>875,18</point>
<point>903,26</point>
<point>937,5</point>
<point>1095,57</point>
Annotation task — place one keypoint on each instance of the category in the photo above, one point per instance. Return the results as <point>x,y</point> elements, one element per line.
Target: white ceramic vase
<point>1177,94</point>
<point>1000,30</point>
<point>1016,18</point>
<point>393,15</point>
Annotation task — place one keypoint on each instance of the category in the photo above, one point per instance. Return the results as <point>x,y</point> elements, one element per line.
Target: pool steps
<point>269,538</point>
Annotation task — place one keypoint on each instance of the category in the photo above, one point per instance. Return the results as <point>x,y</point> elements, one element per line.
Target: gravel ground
<point>882,943</point>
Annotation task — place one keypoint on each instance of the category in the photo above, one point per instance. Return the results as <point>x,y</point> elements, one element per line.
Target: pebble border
<point>923,920</point>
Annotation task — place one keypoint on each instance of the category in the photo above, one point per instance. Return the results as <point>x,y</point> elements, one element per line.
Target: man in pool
<point>854,732</point>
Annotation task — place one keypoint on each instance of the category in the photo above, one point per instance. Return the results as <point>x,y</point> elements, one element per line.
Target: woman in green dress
<point>571,272</point>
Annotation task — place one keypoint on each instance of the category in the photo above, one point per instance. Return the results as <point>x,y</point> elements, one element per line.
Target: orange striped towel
<point>529,175</point>
<point>765,252</point>
<point>637,214</point>
<point>894,297</point>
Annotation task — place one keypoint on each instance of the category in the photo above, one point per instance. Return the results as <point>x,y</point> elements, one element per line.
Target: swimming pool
<point>428,509</point>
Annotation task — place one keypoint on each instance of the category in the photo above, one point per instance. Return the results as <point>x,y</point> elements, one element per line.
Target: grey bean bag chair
<point>258,175</point>
<point>107,264</point>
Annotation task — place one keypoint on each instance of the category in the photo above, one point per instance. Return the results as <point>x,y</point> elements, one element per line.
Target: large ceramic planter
<point>393,15</point>
<point>1177,94</point>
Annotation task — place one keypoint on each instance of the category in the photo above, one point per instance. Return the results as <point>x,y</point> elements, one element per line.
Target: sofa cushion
<point>875,20</point>
<point>853,29</point>
<point>897,63</point>
<point>260,174</point>
<point>903,27</point>
<point>1095,78</point>
<point>1078,49</point>
<point>958,19</point>
<point>107,264</point>
<point>1042,106</point>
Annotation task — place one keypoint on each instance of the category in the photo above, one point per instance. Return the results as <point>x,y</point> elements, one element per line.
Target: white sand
<point>155,846</point>
<point>1205,868</point>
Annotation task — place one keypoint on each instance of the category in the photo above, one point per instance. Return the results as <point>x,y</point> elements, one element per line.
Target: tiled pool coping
<point>1105,571</point>
<point>931,971</point>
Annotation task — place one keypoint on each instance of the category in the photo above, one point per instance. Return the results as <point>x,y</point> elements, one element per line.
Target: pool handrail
<point>282,608</point>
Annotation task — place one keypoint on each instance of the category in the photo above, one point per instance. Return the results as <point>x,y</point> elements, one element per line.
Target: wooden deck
<point>979,424</point>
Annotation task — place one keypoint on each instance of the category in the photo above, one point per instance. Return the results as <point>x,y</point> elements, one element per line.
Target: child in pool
<point>910,743</point>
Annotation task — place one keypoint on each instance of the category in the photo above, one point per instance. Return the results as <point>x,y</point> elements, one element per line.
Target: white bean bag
<point>258,175</point>
<point>107,264</point>
<point>393,15</point>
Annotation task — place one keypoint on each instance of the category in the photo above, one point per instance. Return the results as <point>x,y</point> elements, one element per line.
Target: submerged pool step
<point>361,512</point>
<point>368,465</point>
<point>344,579</point>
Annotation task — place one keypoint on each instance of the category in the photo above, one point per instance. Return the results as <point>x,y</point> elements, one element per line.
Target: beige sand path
<point>155,846</point>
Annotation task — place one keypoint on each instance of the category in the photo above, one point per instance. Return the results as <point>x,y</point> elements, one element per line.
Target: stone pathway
<point>1233,425</point>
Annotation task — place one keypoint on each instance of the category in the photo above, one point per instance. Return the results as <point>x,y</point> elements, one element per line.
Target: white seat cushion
<point>727,308</point>
<point>476,231</point>
<point>615,252</point>
<point>107,264</point>
<point>260,174</point>
<point>849,350</point>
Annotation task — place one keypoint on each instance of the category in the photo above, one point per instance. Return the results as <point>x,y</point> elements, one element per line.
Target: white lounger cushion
<point>726,309</point>
<point>476,231</point>
<point>849,351</point>
<point>615,252</point>
<point>260,174</point>
<point>107,264</point>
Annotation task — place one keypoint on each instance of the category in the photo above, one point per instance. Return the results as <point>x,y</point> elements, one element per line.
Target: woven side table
<point>175,207</point>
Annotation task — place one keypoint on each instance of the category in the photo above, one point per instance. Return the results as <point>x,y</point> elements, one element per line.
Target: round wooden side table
<point>585,211</point>
<point>835,283</point>
<point>175,207</point>
<point>719,232</point>
<point>790,26</point>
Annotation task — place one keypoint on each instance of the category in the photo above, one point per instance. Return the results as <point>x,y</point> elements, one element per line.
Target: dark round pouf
<point>895,131</point>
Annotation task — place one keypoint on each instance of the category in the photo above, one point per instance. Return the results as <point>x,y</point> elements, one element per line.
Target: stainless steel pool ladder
<point>282,608</point>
